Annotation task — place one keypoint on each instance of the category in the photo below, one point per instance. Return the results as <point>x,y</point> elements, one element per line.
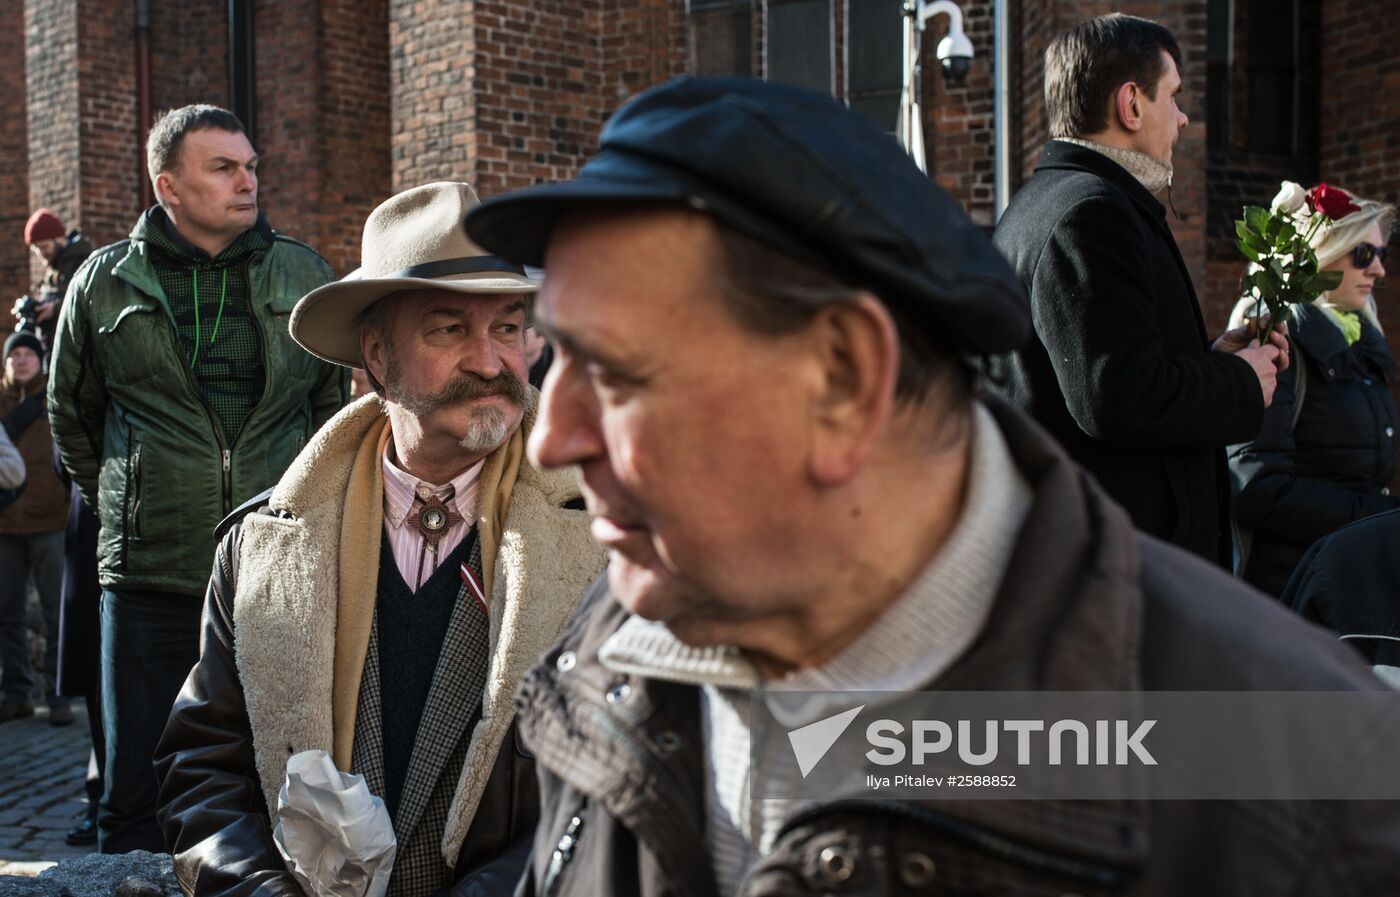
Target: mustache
<point>475,386</point>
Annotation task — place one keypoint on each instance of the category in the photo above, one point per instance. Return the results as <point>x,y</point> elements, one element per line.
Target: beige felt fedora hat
<point>414,240</point>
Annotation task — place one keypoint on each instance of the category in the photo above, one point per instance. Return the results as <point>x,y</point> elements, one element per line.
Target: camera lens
<point>955,69</point>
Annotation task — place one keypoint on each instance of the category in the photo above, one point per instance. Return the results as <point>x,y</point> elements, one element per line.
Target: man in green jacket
<point>176,394</point>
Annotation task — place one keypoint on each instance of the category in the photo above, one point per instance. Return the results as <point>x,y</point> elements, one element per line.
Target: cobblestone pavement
<point>41,790</point>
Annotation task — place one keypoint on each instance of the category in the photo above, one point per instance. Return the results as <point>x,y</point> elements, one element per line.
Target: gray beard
<point>486,431</point>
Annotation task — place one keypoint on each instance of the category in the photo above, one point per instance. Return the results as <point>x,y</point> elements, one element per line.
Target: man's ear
<point>1127,105</point>
<point>374,353</point>
<point>165,190</point>
<point>857,346</point>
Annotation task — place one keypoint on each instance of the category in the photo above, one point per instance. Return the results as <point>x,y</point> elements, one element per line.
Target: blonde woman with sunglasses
<point>1326,452</point>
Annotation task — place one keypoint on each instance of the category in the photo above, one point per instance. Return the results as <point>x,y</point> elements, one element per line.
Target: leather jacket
<point>1087,604</point>
<point>134,431</point>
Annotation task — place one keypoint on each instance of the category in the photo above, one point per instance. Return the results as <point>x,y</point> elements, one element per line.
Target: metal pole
<point>1001,110</point>
<point>911,129</point>
<point>242,74</point>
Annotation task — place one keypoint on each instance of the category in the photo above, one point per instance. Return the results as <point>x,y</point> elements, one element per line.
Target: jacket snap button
<point>566,661</point>
<point>835,866</point>
<point>1390,431</point>
<point>916,869</point>
<point>668,741</point>
<point>1385,490</point>
<point>1331,372</point>
<point>619,693</point>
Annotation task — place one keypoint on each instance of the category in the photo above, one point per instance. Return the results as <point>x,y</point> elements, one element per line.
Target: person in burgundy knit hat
<point>63,252</point>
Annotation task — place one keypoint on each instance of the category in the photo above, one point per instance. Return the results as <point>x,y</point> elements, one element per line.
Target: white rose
<point>1290,198</point>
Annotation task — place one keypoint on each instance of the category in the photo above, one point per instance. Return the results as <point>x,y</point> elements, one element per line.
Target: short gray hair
<point>770,293</point>
<point>169,130</point>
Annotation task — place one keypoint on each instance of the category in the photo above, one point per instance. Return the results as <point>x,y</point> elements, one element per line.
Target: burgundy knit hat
<point>43,225</point>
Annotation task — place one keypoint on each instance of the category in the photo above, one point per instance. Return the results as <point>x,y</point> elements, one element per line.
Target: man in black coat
<point>1121,370</point>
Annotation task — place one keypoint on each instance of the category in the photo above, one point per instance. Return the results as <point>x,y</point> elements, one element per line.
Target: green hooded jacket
<point>136,434</point>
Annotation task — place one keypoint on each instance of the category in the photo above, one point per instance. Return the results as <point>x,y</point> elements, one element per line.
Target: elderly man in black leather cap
<point>766,319</point>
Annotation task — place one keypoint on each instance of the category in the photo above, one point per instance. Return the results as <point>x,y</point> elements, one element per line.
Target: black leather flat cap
<point>799,172</point>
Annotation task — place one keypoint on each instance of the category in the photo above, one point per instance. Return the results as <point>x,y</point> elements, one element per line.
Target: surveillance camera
<point>955,56</point>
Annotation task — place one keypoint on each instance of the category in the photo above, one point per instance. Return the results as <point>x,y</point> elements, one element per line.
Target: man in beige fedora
<point>382,602</point>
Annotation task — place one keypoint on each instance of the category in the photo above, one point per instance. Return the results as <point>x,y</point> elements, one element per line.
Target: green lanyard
<point>223,294</point>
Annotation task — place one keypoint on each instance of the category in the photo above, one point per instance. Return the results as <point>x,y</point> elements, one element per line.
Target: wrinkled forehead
<point>414,305</point>
<point>594,257</point>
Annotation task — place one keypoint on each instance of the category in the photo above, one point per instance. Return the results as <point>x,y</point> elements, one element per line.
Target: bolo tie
<point>433,517</point>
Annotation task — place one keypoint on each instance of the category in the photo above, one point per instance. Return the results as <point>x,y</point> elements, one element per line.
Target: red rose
<point>1331,201</point>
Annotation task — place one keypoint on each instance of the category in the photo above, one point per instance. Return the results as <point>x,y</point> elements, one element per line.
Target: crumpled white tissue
<point>336,837</point>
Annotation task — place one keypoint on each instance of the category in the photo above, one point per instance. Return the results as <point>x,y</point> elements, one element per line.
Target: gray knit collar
<point>1153,174</point>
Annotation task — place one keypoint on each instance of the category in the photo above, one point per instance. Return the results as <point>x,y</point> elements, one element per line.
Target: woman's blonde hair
<point>1337,240</point>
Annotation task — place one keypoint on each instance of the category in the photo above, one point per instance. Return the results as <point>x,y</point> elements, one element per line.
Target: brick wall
<point>431,53</point>
<point>1361,84</point>
<point>51,99</point>
<point>189,54</point>
<point>287,83</point>
<point>505,93</point>
<point>538,89</point>
<point>641,43</point>
<point>353,126</point>
<point>14,175</point>
<point>110,147</point>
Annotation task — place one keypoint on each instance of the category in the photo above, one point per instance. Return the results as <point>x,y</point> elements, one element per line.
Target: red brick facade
<point>358,98</point>
<point>1360,129</point>
<point>14,149</point>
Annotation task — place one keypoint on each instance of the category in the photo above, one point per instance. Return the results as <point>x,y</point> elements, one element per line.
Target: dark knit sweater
<point>224,346</point>
<point>411,627</point>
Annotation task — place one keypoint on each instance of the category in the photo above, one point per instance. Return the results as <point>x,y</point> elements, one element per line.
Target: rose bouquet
<point>1278,240</point>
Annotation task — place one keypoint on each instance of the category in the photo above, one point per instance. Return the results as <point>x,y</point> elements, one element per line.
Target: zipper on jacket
<point>262,350</point>
<point>1023,855</point>
<point>563,853</point>
<point>136,486</point>
<point>214,427</point>
<point>126,498</point>
<point>228,481</point>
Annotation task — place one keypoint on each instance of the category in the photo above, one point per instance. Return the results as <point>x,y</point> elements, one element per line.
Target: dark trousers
<point>40,556</point>
<point>150,640</point>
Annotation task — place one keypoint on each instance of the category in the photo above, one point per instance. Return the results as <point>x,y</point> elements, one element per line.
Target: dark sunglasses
<point>1362,255</point>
